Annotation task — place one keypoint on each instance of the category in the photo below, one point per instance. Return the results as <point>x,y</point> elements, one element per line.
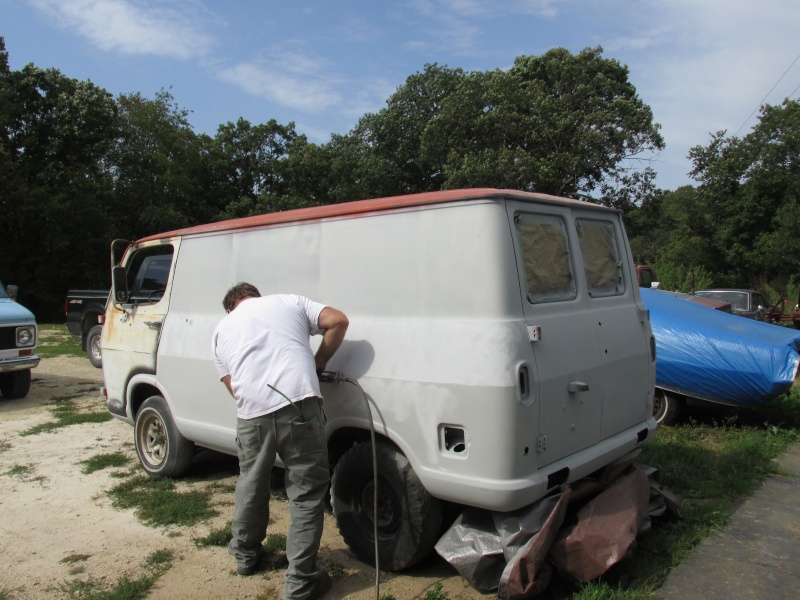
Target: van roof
<point>361,207</point>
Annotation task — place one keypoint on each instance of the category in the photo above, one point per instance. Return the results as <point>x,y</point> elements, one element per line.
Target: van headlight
<point>26,336</point>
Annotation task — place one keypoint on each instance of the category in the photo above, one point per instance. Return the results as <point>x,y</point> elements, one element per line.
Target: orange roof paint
<point>359,207</point>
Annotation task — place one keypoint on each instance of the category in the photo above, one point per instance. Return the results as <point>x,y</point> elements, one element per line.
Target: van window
<point>545,257</point>
<point>601,260</point>
<point>148,273</point>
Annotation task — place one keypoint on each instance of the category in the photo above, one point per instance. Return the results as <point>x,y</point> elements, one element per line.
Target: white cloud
<point>292,83</point>
<point>136,27</point>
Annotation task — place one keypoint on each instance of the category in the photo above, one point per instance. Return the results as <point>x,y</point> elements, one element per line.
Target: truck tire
<point>666,407</point>
<point>410,519</point>
<point>161,448</point>
<point>93,349</point>
<point>15,384</point>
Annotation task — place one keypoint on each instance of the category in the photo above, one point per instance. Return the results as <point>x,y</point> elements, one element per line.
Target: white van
<point>499,335</point>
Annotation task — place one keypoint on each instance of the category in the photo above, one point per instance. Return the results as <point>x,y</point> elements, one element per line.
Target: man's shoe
<point>254,567</point>
<point>322,587</point>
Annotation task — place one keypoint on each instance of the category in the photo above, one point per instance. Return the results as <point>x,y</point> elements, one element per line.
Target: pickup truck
<point>18,339</point>
<point>83,309</point>
<point>746,303</point>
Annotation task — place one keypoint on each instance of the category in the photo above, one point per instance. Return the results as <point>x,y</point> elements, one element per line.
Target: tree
<point>55,134</point>
<point>559,124</point>
<point>750,189</point>
<point>256,172</point>
<point>157,168</point>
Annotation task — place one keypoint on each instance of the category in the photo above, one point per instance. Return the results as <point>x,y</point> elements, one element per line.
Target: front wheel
<point>161,448</point>
<point>409,518</point>
<point>93,349</point>
<point>15,384</point>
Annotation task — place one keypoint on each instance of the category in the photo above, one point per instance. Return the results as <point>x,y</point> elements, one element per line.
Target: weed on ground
<point>55,340</point>
<point>126,587</point>
<point>65,415</point>
<point>157,503</point>
<point>104,461</point>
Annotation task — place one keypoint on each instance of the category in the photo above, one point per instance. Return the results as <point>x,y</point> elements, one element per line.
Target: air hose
<point>336,377</point>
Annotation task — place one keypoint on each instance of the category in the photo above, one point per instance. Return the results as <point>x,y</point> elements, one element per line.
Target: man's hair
<point>238,292</point>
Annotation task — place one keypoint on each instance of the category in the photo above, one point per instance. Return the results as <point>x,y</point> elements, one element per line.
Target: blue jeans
<point>298,437</point>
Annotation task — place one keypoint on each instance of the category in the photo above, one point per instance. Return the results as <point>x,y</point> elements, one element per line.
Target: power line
<point>767,96</point>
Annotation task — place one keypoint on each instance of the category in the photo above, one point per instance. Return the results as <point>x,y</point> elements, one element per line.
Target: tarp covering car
<point>715,356</point>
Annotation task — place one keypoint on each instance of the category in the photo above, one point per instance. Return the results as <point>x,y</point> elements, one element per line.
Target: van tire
<point>15,384</point>
<point>93,349</point>
<point>410,518</point>
<point>161,448</point>
<point>666,407</point>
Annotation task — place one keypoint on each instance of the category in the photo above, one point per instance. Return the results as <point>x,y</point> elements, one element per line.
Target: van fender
<point>141,387</point>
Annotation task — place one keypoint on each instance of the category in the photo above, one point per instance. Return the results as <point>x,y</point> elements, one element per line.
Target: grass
<point>67,414</point>
<point>55,340</point>
<point>711,466</point>
<point>157,503</point>
<point>19,470</point>
<point>104,461</point>
<point>435,593</point>
<point>125,588</point>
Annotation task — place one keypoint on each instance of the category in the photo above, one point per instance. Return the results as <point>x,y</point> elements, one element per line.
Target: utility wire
<point>767,96</point>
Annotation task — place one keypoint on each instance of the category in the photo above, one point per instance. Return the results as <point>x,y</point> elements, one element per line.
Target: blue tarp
<point>717,356</point>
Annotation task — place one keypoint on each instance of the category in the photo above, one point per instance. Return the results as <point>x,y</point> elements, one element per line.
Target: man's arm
<point>227,381</point>
<point>334,325</point>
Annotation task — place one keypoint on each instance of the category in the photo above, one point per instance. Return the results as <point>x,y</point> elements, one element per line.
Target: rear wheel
<point>666,407</point>
<point>161,448</point>
<point>93,349</point>
<point>15,384</point>
<point>409,518</point>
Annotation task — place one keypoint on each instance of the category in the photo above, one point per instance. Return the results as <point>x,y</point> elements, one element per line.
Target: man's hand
<point>334,325</point>
<point>227,381</point>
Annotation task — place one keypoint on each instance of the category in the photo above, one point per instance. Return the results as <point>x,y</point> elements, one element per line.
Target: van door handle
<point>577,386</point>
<point>157,325</point>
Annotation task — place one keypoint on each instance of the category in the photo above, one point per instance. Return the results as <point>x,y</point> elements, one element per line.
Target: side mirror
<point>655,285</point>
<point>12,292</point>
<point>119,285</point>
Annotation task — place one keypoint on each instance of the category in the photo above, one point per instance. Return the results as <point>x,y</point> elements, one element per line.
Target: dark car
<point>745,303</point>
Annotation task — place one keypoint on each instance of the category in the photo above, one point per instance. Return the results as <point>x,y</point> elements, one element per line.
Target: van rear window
<point>601,259</point>
<point>545,257</point>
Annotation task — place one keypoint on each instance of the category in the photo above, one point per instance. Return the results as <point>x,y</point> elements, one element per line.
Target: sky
<point>701,65</point>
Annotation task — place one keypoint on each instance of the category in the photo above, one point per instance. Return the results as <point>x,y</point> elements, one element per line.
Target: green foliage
<point>217,537</point>
<point>749,190</point>
<point>335,570</point>
<point>55,340</point>
<point>125,588</point>
<point>67,414</point>
<point>104,461</point>
<point>19,470</point>
<point>158,504</point>
<point>435,592</point>
<point>681,278</point>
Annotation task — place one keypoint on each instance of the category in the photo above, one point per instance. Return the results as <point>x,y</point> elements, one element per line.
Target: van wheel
<point>15,384</point>
<point>409,518</point>
<point>666,408</point>
<point>93,349</point>
<point>161,448</point>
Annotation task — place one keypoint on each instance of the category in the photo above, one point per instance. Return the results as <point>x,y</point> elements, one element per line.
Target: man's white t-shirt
<point>265,341</point>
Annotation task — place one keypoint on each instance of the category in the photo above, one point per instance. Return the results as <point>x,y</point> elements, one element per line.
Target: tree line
<point>80,168</point>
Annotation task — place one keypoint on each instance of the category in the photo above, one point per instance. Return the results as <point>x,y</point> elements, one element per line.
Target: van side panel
<point>437,338</point>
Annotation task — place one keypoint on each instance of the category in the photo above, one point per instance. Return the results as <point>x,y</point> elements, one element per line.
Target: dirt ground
<point>51,512</point>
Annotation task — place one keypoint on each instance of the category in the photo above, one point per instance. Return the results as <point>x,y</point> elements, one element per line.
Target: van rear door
<point>582,320</point>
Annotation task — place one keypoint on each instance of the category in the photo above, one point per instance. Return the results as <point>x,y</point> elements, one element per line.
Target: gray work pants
<point>299,440</point>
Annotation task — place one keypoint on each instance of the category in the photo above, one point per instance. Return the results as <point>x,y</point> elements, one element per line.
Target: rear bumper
<point>19,363</point>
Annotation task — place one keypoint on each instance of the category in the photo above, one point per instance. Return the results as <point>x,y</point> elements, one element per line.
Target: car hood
<point>11,312</point>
